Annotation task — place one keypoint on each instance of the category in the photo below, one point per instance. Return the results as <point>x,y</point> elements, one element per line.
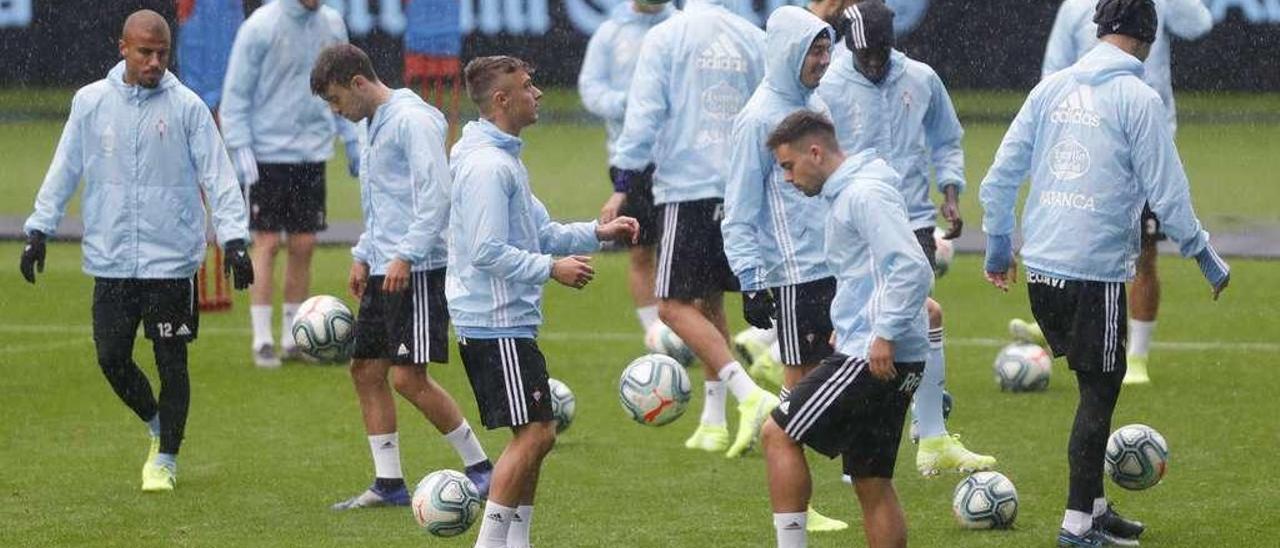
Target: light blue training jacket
<point>404,186</point>
<point>267,102</point>
<point>1074,34</point>
<point>501,238</point>
<point>144,155</point>
<point>882,276</point>
<point>611,60</point>
<point>773,234</point>
<point>907,118</point>
<point>695,72</point>
<point>1094,140</point>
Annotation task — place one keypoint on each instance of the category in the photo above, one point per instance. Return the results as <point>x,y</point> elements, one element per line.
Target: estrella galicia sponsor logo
<point>1077,109</point>
<point>1068,159</point>
<point>722,101</point>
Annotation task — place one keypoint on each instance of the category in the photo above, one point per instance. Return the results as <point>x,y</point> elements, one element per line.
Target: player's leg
<point>522,519</point>
<point>790,485</point>
<point>263,254</point>
<point>1144,301</point>
<point>873,453</point>
<point>117,311</point>
<point>643,255</point>
<point>939,450</point>
<point>883,520</point>
<point>515,482</point>
<point>170,319</point>
<point>297,286</point>
<point>305,216</point>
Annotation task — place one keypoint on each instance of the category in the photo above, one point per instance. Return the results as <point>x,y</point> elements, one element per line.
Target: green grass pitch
<point>268,451</point>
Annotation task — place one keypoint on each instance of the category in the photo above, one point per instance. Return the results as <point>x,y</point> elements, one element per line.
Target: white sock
<point>736,378</point>
<point>465,442</point>
<point>260,317</point>
<point>713,408</point>
<point>928,407</point>
<point>1099,506</point>
<point>521,521</point>
<point>789,527</point>
<point>386,455</point>
<point>775,351</point>
<point>1077,523</point>
<point>288,311</point>
<point>494,525</point>
<point>1140,337</point>
<point>648,316</point>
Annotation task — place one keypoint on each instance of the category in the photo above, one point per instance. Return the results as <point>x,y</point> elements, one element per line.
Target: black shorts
<point>509,379</point>
<point>803,317</point>
<point>840,408</point>
<point>168,309</point>
<point>289,198</point>
<point>1084,321</point>
<point>410,327</point>
<point>639,205</point>
<point>929,246</point>
<point>1151,226</point>
<point>691,260</point>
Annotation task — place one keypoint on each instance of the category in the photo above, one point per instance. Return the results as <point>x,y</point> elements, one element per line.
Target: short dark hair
<point>481,73</point>
<point>801,124</point>
<point>338,64</point>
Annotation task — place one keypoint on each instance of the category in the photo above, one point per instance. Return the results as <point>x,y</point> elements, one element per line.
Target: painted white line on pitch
<point>39,347</point>
<point>1175,346</point>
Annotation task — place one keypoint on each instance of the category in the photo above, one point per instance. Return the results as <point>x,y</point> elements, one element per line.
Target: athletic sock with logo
<point>521,521</point>
<point>260,317</point>
<point>386,456</point>
<point>494,526</point>
<point>928,408</point>
<point>288,311</point>
<point>713,408</point>
<point>789,527</point>
<point>465,442</point>
<point>736,378</point>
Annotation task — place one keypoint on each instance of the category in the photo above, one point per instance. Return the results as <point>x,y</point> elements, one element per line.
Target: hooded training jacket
<point>404,186</point>
<point>267,102</point>
<point>1094,140</point>
<point>1074,34</point>
<point>907,118</point>
<point>145,154</point>
<point>695,72</point>
<point>610,61</point>
<point>501,238</point>
<point>882,276</point>
<point>773,234</point>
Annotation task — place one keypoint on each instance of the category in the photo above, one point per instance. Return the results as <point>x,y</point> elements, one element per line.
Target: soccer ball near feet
<point>985,500</point>
<point>324,328</point>
<point>1136,457</point>
<point>654,389</point>
<point>445,503</point>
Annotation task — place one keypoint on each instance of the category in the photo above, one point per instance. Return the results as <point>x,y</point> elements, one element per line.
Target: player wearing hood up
<point>1096,143</point>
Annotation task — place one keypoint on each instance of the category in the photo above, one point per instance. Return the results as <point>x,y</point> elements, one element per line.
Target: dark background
<point>978,44</point>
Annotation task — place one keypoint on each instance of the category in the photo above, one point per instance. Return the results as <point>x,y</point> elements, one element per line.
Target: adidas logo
<point>388,445</point>
<point>515,518</point>
<point>1077,109</point>
<point>793,526</point>
<point>183,331</point>
<point>495,517</point>
<point>403,351</point>
<point>785,406</point>
<point>722,55</point>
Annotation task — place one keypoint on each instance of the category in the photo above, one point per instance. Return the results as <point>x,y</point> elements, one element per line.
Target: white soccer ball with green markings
<point>563,404</point>
<point>324,328</point>
<point>654,389</point>
<point>446,503</point>
<point>1023,367</point>
<point>945,253</point>
<point>985,500</point>
<point>1137,457</point>
<point>660,339</point>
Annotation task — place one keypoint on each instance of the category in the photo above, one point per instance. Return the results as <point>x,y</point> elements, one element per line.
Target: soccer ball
<point>446,503</point>
<point>324,328</point>
<point>1022,367</point>
<point>1136,457</point>
<point>562,404</point>
<point>660,339</point>
<point>985,500</point>
<point>947,402</point>
<point>945,253</point>
<point>654,389</point>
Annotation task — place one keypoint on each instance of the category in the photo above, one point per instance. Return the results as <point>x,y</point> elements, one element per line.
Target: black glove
<point>236,261</point>
<point>757,308</point>
<point>32,256</point>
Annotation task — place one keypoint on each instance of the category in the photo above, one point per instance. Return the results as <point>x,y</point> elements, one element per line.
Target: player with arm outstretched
<point>145,147</point>
<point>1095,141</point>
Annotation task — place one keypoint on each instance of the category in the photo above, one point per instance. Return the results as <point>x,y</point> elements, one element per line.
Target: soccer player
<point>603,83</point>
<point>855,402</point>
<point>1096,143</point>
<point>1074,34</point>
<point>146,146</point>
<point>500,255</point>
<point>279,136</point>
<point>399,268</point>
<point>695,72</point>
<point>881,99</point>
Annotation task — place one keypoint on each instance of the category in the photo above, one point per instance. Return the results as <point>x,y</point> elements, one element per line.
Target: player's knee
<point>409,380</point>
<point>935,313</point>
<point>642,258</point>
<point>671,310</point>
<point>772,436</point>
<point>538,437</point>
<point>367,373</point>
<point>114,353</point>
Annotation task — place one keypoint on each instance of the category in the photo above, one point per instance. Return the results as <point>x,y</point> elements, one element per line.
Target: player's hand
<point>880,356</point>
<point>950,210</point>
<point>397,276</point>
<point>246,165</point>
<point>1002,280</point>
<point>353,158</point>
<point>1001,269</point>
<point>620,229</point>
<point>609,211</point>
<point>32,256</point>
<point>574,271</point>
<point>757,308</point>
<point>358,279</point>
<point>1215,270</point>
<point>235,261</point>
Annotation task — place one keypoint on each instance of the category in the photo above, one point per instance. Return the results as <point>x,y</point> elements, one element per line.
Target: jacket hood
<point>116,77</point>
<point>400,99</point>
<point>624,13</point>
<point>1105,62</point>
<point>846,65</point>
<point>295,9</point>
<point>864,164</point>
<point>789,33</point>
<point>482,133</point>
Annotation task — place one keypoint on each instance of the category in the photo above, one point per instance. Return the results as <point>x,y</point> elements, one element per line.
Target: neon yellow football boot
<point>710,438</point>
<point>752,411</point>
<point>947,453</point>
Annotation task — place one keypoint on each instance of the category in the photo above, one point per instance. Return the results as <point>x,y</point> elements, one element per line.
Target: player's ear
<point>124,48</point>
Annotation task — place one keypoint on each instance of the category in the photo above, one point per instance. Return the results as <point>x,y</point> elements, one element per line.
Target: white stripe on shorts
<point>517,406</point>
<point>666,249</point>
<point>824,397</point>
<point>421,318</point>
